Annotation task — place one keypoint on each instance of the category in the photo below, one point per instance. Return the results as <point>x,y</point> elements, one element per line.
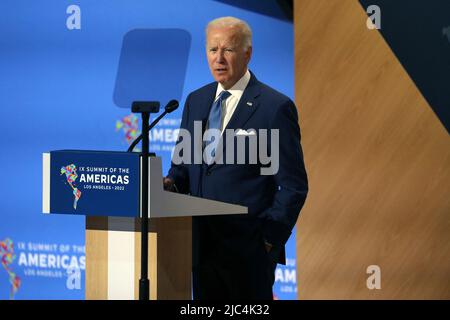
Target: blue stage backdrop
<point>63,85</point>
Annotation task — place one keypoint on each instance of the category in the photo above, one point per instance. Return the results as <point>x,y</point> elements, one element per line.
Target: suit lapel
<point>204,104</point>
<point>200,111</point>
<point>246,107</point>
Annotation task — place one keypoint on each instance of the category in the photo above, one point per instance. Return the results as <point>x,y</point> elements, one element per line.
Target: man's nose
<point>220,56</point>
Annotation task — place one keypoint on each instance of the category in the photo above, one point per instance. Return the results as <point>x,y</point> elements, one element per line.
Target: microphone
<point>172,105</point>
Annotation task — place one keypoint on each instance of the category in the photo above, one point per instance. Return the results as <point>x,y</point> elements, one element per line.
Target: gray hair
<point>241,25</point>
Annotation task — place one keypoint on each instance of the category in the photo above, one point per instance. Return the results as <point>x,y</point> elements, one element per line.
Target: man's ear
<point>248,54</point>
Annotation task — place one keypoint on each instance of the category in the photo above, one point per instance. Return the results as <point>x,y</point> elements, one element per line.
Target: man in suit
<point>234,256</point>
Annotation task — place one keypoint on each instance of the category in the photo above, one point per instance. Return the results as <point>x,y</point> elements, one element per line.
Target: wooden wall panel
<point>378,163</point>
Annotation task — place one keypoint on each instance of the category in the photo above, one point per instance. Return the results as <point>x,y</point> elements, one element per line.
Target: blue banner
<point>95,183</point>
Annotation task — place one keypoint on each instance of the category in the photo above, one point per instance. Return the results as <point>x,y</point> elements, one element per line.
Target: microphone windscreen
<point>171,106</point>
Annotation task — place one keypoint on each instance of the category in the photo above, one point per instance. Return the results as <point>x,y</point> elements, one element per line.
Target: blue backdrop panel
<point>423,48</point>
<point>59,62</point>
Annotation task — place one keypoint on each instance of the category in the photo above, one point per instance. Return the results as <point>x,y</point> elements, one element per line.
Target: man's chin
<point>225,82</point>
<point>221,79</point>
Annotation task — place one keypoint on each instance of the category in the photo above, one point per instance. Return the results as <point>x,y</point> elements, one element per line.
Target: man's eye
<point>212,50</point>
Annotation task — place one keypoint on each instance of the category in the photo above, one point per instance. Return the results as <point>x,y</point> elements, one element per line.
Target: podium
<point>105,188</point>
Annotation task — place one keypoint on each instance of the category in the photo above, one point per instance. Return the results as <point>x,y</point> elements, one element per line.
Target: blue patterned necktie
<point>215,119</point>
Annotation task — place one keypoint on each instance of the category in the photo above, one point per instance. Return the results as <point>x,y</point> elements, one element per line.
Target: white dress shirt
<point>231,103</point>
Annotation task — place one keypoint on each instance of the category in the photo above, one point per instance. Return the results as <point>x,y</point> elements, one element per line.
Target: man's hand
<point>169,184</point>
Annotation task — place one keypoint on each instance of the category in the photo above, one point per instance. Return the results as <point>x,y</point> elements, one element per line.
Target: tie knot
<point>224,95</point>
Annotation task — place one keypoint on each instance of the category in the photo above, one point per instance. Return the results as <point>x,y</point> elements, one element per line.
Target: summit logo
<point>70,171</point>
<point>7,257</point>
<point>129,125</point>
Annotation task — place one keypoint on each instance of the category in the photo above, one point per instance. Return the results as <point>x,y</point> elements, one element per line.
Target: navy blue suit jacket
<point>274,201</point>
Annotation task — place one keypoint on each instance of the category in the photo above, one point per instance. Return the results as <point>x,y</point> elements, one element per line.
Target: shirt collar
<point>238,89</point>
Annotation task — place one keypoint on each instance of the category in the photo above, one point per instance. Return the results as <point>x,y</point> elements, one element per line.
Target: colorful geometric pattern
<point>7,257</point>
<point>71,175</point>
<point>129,124</point>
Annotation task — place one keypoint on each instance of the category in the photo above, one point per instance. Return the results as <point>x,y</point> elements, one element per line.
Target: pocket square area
<point>242,132</point>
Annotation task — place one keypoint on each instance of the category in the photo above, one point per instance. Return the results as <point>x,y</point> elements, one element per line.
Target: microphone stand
<point>145,109</point>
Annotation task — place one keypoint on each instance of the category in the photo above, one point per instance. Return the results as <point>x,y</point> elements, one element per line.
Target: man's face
<point>227,58</point>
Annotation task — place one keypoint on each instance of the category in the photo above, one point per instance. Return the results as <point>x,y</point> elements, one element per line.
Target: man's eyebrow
<point>224,47</point>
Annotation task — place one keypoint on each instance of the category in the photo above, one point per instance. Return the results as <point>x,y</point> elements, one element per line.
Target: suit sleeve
<point>179,172</point>
<point>291,178</point>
